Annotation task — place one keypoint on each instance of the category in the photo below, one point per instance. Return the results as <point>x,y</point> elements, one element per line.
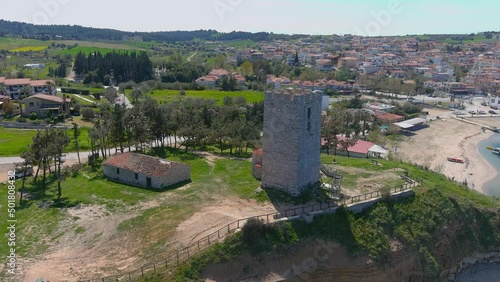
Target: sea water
<point>482,272</point>
<point>491,188</point>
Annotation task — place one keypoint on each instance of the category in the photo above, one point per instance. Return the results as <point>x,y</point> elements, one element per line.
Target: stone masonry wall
<point>291,141</point>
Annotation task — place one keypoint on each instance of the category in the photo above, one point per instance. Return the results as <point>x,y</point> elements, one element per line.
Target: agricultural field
<point>7,43</point>
<point>173,95</point>
<point>29,48</point>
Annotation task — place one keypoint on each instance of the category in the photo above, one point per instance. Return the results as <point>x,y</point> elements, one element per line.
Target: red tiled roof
<point>48,98</point>
<point>141,163</point>
<point>36,83</point>
<point>18,81</point>
<point>390,117</point>
<point>218,72</point>
<point>361,146</point>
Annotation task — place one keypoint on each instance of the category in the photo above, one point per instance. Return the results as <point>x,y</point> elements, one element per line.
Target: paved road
<point>69,156</point>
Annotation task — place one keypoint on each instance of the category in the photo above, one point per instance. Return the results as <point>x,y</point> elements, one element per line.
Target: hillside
<point>421,239</point>
<point>75,32</point>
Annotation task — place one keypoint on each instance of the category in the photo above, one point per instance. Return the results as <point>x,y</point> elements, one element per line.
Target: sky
<point>361,17</point>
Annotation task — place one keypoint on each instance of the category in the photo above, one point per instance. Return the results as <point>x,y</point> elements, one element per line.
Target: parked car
<point>472,112</point>
<point>19,173</point>
<point>492,112</point>
<point>480,112</point>
<point>458,113</point>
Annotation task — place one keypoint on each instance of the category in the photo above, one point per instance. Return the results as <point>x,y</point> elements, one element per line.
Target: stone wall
<point>174,175</point>
<point>291,141</point>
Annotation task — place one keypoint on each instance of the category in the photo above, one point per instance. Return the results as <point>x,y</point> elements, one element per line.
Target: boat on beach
<point>496,151</point>
<point>489,148</point>
<point>456,160</point>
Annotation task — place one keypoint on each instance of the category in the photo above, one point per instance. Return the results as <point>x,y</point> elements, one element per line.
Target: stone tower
<point>291,142</point>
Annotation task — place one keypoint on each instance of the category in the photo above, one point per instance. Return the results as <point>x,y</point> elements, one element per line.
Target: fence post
<point>218,233</point>
<point>166,263</point>
<point>228,228</point>
<point>116,277</point>
<point>198,245</point>
<point>142,271</point>
<point>154,267</point>
<point>187,251</point>
<point>177,258</point>
<point>129,277</point>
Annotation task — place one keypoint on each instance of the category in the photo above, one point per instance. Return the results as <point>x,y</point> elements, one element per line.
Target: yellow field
<point>29,48</point>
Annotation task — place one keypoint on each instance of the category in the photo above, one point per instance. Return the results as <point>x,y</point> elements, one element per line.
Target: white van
<point>19,173</point>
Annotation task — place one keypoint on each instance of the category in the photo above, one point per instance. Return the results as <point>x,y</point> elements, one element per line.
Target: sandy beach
<point>448,137</point>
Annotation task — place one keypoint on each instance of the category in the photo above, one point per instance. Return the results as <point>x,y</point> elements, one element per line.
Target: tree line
<point>190,123</point>
<point>118,66</point>
<point>76,32</point>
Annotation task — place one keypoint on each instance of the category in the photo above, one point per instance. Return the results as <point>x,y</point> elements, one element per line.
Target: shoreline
<point>448,137</point>
<point>481,182</point>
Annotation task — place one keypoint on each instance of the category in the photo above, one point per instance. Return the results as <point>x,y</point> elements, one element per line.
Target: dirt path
<point>96,247</point>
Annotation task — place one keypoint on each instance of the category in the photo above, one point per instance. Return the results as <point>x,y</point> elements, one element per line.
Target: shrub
<point>21,119</point>
<point>33,116</point>
<point>88,113</point>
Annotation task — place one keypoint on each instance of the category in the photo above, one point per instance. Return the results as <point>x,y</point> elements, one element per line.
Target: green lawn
<point>90,187</point>
<point>173,95</point>
<point>15,141</point>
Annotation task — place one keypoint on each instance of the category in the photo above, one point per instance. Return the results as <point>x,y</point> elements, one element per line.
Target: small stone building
<point>145,171</point>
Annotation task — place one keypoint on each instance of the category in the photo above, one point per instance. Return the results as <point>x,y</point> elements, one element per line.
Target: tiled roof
<point>36,83</point>
<point>19,81</point>
<point>48,98</point>
<point>141,163</point>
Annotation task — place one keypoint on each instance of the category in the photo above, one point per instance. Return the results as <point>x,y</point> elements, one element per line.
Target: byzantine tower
<point>291,141</point>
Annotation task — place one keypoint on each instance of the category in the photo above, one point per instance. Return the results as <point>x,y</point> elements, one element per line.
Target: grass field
<point>173,95</point>
<point>90,188</point>
<point>86,50</point>
<point>15,141</point>
<point>8,43</point>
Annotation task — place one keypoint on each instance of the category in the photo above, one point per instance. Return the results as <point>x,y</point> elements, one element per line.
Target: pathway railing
<point>176,259</point>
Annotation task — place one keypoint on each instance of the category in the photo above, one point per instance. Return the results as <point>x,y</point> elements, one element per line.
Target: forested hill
<point>26,30</point>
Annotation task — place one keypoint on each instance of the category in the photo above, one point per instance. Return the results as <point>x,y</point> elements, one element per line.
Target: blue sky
<point>365,17</point>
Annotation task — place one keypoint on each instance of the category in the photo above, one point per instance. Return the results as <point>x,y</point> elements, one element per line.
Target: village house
<point>15,87</point>
<point>43,104</point>
<point>145,171</point>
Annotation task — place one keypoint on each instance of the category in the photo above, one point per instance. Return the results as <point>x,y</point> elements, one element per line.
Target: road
<point>83,98</point>
<point>190,57</point>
